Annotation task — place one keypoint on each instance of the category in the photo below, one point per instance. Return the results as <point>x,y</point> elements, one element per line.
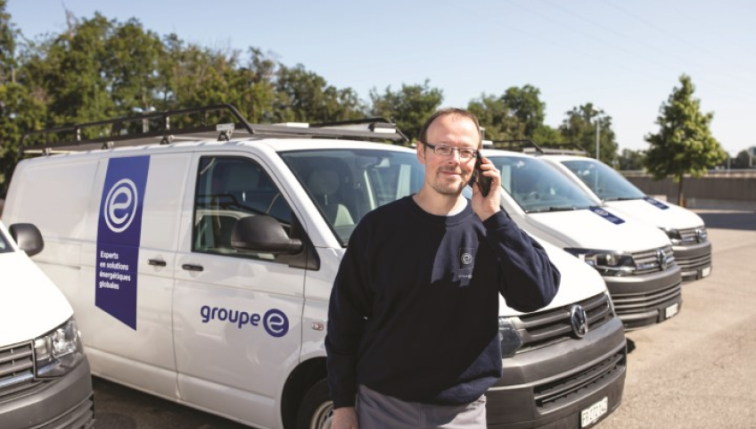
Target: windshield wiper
<point>622,198</point>
<point>553,209</point>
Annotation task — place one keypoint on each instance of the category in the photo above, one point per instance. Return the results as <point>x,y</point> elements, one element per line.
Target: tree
<point>309,98</point>
<point>495,117</point>
<point>631,159</point>
<point>409,107</point>
<point>683,144</point>
<point>517,114</point>
<point>547,136</point>
<point>742,160</point>
<point>580,127</point>
<point>20,110</point>
<point>525,105</point>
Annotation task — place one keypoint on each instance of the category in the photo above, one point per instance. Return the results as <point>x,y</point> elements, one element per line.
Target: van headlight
<point>674,236</point>
<point>510,338</point>
<point>59,351</point>
<point>606,262</point>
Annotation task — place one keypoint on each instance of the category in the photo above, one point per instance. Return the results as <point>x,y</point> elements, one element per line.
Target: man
<point>413,318</point>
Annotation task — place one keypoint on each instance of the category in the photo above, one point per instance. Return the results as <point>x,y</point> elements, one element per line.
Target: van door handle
<point>191,267</point>
<point>156,262</point>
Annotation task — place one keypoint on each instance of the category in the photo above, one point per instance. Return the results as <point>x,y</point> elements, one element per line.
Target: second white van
<point>685,229</point>
<point>635,259</point>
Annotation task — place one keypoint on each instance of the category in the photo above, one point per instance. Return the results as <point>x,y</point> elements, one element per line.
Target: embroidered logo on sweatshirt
<point>466,265</point>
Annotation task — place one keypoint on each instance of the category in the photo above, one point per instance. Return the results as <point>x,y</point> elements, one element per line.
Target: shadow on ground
<point>744,221</point>
<point>118,407</point>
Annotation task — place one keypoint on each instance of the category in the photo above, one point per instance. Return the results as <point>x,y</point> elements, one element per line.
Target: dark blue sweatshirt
<point>414,308</point>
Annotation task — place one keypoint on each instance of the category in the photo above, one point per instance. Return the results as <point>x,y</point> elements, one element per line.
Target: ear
<point>420,152</point>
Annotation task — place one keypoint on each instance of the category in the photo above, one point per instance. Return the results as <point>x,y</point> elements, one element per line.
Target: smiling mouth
<point>451,173</point>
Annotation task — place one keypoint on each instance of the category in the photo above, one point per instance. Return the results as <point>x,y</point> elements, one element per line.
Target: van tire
<point>316,410</point>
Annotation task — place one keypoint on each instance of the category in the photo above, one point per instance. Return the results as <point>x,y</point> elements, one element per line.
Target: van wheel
<point>316,410</point>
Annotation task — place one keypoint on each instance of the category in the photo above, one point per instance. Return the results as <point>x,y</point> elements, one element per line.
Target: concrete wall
<point>736,192</point>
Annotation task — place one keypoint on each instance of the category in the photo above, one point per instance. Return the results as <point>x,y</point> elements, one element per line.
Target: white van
<point>44,375</point>
<point>635,259</point>
<point>201,272</point>
<point>685,229</point>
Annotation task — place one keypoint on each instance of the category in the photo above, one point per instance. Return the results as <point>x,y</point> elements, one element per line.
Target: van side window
<point>229,189</point>
<point>4,245</point>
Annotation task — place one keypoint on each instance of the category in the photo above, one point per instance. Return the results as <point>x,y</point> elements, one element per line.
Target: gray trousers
<point>378,411</point>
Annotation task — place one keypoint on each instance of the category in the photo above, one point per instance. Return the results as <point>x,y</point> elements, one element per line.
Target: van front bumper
<point>550,387</point>
<point>694,261</point>
<point>646,299</point>
<point>61,403</point>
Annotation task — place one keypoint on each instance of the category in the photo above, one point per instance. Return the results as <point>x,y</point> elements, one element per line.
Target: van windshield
<point>346,184</point>
<point>538,187</point>
<point>604,181</point>
<point>4,244</point>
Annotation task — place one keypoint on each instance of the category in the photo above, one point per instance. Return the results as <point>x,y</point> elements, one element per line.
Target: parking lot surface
<point>697,370</point>
<point>693,371</point>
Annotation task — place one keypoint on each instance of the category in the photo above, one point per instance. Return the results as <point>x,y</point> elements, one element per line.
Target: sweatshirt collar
<point>436,219</point>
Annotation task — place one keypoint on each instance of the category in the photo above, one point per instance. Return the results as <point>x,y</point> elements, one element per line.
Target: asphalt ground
<point>696,370</point>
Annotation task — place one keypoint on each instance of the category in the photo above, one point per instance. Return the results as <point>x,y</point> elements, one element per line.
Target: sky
<point>624,57</point>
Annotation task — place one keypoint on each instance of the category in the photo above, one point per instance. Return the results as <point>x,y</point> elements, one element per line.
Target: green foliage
<point>495,117</point>
<point>547,136</point>
<point>516,115</point>
<point>102,69</point>
<point>307,97</point>
<point>525,105</point>
<point>631,159</point>
<point>580,127</point>
<point>409,107</point>
<point>683,144</point>
<point>742,160</point>
<point>8,36</point>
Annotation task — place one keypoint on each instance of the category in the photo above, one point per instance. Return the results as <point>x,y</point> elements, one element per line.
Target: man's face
<point>448,175</point>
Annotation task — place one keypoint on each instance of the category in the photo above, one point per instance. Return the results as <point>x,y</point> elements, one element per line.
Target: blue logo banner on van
<point>606,215</point>
<point>118,237</point>
<point>656,203</point>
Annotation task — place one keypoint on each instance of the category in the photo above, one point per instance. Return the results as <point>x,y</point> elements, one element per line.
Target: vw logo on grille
<point>700,235</point>
<point>661,256</point>
<point>579,321</point>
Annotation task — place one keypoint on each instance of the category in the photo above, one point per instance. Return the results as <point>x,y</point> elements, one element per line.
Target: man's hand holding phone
<point>486,200</point>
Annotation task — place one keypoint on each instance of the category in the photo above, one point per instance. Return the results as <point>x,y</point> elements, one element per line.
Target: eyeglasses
<point>465,153</point>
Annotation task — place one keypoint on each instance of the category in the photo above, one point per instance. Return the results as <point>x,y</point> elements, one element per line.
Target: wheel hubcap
<point>323,416</point>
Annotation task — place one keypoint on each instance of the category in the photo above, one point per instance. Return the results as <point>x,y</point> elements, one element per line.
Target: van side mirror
<point>263,234</point>
<point>28,238</point>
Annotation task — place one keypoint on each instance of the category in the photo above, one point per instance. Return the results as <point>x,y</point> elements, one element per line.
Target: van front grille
<point>626,304</point>
<point>648,261</point>
<point>690,264</point>
<point>16,369</point>
<point>547,327</point>
<point>571,387</point>
<point>691,236</point>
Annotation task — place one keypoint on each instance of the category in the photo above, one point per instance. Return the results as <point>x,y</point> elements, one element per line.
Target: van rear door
<point>127,324</point>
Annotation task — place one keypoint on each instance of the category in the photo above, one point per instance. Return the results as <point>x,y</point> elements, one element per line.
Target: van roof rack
<point>530,147</point>
<point>157,127</point>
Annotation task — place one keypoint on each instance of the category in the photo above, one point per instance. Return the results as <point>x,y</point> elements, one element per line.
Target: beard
<point>444,186</point>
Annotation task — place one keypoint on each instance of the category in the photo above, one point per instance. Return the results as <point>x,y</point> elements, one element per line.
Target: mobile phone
<point>484,182</point>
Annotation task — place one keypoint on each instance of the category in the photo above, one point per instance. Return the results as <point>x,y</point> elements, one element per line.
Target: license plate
<point>705,272</point>
<point>591,414</point>
<point>671,310</point>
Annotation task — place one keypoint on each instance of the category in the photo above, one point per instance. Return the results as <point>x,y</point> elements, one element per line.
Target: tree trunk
<point>680,199</point>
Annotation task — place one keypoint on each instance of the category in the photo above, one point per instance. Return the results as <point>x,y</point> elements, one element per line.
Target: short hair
<point>449,111</point>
